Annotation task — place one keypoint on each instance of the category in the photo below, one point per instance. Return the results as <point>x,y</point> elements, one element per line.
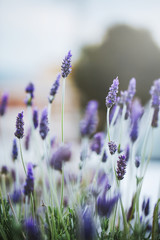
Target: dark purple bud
<point>104,157</point>
<point>112,147</point>
<point>97,143</point>
<point>35,118</point>
<point>43,130</point>
<point>106,206</point>
<point>87,229</point>
<point>27,139</point>
<point>13,174</point>
<point>121,167</point>
<point>4,170</point>
<point>127,152</point>
<point>63,154</point>
<point>19,133</point>
<point>32,230</point>
<point>14,150</point>
<point>155,94</point>
<point>66,65</point>
<point>155,118</point>
<point>146,209</point>
<point>89,123</point>
<point>134,132</point>
<point>112,95</point>
<point>137,161</point>
<point>29,185</point>
<point>30,90</point>
<point>54,89</point>
<point>16,196</point>
<point>3,104</point>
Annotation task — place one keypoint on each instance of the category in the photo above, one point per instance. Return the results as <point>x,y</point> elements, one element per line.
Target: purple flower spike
<point>121,167</point>
<point>112,95</point>
<point>98,141</point>
<point>32,230</point>
<point>16,196</point>
<point>29,185</point>
<point>54,89</point>
<point>106,206</point>
<point>63,154</point>
<point>3,104</point>
<point>104,158</point>
<point>27,139</point>
<point>127,152</point>
<point>112,147</point>
<point>89,123</point>
<point>155,94</point>
<point>43,130</point>
<point>35,118</point>
<point>30,90</point>
<point>14,150</point>
<point>146,207</point>
<point>131,90</point>
<point>19,133</point>
<point>66,65</point>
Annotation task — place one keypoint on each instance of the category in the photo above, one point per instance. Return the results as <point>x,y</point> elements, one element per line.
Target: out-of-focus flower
<point>27,139</point>
<point>127,152</point>
<point>32,230</point>
<point>14,150</point>
<point>105,206</point>
<point>43,128</point>
<point>66,65</point>
<point>146,207</point>
<point>112,95</point>
<point>29,185</point>
<point>63,154</point>
<point>4,170</point>
<point>121,167</point>
<point>89,123</point>
<point>35,118</point>
<point>97,143</point>
<point>30,90</point>
<point>155,93</point>
<point>112,147</point>
<point>54,89</point>
<point>137,161</point>
<point>3,104</point>
<point>19,133</point>
<point>131,90</point>
<point>104,157</point>
<point>16,196</point>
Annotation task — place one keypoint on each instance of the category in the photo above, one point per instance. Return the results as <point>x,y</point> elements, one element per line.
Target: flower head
<point>16,196</point>
<point>35,118</point>
<point>131,90</point>
<point>155,94</point>
<point>3,104</point>
<point>97,143</point>
<point>112,147</point>
<point>43,130</point>
<point>66,65</point>
<point>89,123</point>
<point>14,150</point>
<point>112,95</point>
<point>146,207</point>
<point>104,157</point>
<point>137,161</point>
<point>27,139</point>
<point>121,167</point>
<point>54,89</point>
<point>30,90</point>
<point>29,185</point>
<point>32,230</point>
<point>106,206</point>
<point>19,133</point>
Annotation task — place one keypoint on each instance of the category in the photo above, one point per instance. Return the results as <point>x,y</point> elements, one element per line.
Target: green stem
<point>22,157</point>
<point>62,114</point>
<point>62,188</point>
<point>108,110</point>
<point>4,212</point>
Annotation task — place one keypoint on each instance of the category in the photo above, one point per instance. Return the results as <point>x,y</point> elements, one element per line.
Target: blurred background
<point>107,39</point>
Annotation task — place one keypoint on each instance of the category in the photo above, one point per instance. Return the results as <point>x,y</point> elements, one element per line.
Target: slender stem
<point>4,212</point>
<point>62,188</point>
<point>10,203</point>
<point>62,114</point>
<point>108,110</point>
<point>22,157</point>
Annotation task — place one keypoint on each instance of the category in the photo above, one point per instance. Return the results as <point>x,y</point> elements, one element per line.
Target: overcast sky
<point>37,33</point>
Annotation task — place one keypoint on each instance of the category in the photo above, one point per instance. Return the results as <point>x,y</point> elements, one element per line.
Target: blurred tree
<point>125,52</point>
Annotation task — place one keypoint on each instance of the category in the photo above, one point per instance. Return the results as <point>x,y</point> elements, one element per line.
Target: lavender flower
<point>97,143</point>
<point>127,152</point>
<point>137,161</point>
<point>106,206</point>
<point>104,157</point>
<point>27,139</point>
<point>54,89</point>
<point>19,133</point>
<point>29,185</point>
<point>145,207</point>
<point>35,118</point>
<point>63,154</point>
<point>155,94</point>
<point>16,196</point>
<point>66,65</point>
<point>155,118</point>
<point>14,150</point>
<point>121,167</point>
<point>44,124</point>
<point>89,123</point>
<point>3,104</point>
<point>4,170</point>
<point>30,90</point>
<point>136,114</point>
<point>112,95</point>
<point>32,230</point>
<point>112,147</point>
<point>131,90</point>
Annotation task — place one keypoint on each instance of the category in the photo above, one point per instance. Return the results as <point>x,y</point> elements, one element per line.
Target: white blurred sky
<point>37,33</point>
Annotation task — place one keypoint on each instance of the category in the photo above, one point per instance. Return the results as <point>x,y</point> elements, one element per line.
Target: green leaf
<point>155,222</point>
